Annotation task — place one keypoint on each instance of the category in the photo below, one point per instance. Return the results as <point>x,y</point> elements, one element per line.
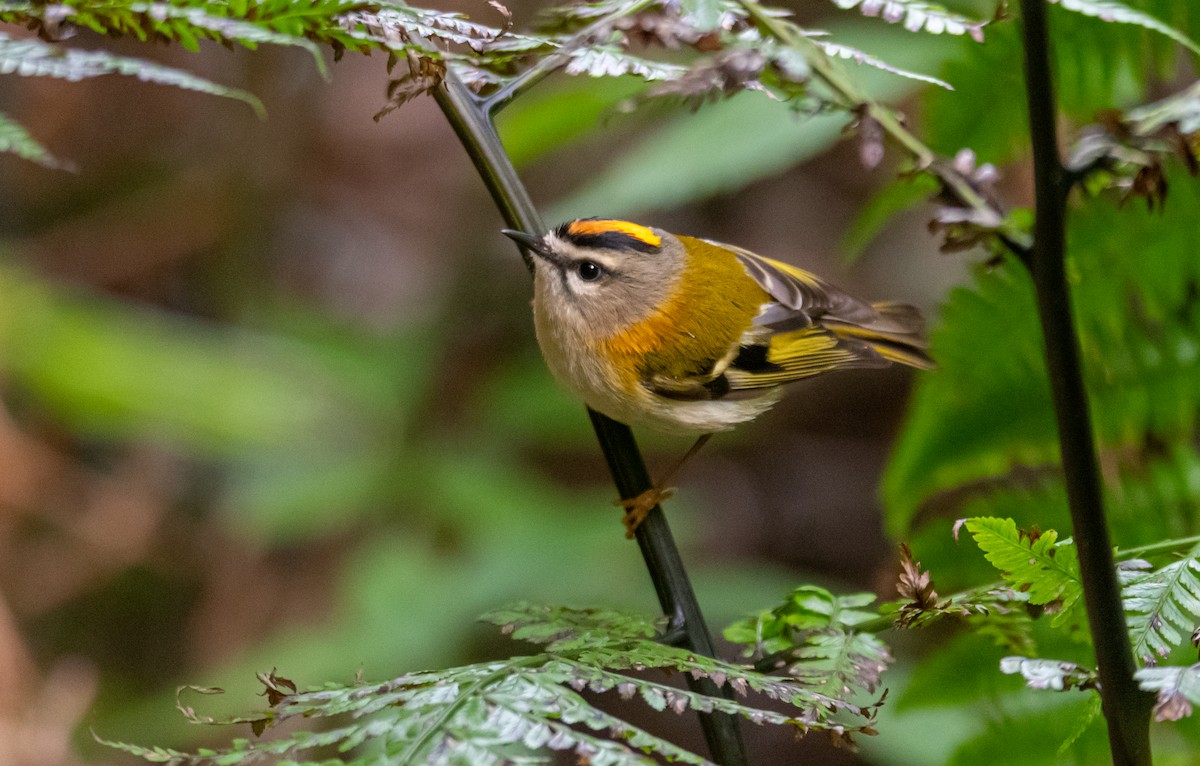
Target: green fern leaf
<point>1177,689</point>
<point>1049,674</point>
<point>401,27</point>
<point>853,54</point>
<point>1048,572</point>
<point>918,16</point>
<point>1163,607</point>
<point>221,27</point>
<point>522,709</point>
<point>1119,13</point>
<point>36,58</point>
<point>565,629</point>
<point>15,139</point>
<point>613,61</point>
<point>812,638</point>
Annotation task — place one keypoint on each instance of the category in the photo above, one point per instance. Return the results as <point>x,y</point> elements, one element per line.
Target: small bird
<point>690,336</point>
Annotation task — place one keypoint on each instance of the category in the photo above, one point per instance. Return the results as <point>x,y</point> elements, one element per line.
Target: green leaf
<point>1119,13</point>
<point>1177,689</point>
<point>1035,564</point>
<point>1163,607</point>
<point>811,638</point>
<point>564,629</point>
<point>14,139</point>
<point>228,29</point>
<point>531,705</point>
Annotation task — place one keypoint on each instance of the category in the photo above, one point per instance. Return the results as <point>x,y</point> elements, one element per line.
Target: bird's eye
<point>589,271</point>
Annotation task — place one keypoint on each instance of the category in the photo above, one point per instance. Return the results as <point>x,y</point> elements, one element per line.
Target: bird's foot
<point>636,508</point>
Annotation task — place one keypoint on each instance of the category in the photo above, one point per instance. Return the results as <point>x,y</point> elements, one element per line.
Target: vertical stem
<point>1126,707</point>
<point>670,579</point>
<point>471,121</point>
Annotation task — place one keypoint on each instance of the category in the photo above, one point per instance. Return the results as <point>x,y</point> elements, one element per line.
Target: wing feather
<point>812,327</point>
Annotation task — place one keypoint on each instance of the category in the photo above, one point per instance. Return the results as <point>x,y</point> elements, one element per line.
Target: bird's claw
<point>637,508</point>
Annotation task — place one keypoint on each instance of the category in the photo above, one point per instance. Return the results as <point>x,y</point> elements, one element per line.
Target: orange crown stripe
<point>640,233</point>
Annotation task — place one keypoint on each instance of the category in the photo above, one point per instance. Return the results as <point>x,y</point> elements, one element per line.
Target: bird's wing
<point>801,298</point>
<point>811,327</point>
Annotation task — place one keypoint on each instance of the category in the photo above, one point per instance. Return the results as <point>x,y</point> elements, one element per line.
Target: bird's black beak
<point>531,243</point>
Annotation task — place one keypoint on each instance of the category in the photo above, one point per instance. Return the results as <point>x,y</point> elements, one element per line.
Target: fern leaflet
<point>14,139</point>
<point>917,16</point>
<point>1163,606</point>
<point>1177,688</point>
<point>36,58</point>
<point>1049,674</point>
<point>813,638</point>
<point>1112,11</point>
<point>522,709</point>
<point>1034,563</point>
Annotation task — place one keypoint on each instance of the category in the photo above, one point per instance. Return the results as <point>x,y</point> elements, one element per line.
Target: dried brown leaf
<point>915,585</point>
<point>275,687</point>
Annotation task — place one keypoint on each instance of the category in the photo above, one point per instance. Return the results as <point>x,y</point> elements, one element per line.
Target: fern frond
<point>15,139</point>
<point>1181,109</point>
<point>812,639</point>
<point>565,629</point>
<point>1119,13</point>
<point>1162,606</point>
<point>401,27</point>
<point>1033,563</point>
<point>522,709</point>
<point>1049,674</point>
<point>183,22</point>
<point>37,58</point>
<point>1177,688</point>
<point>838,50</point>
<point>613,61</point>
<point>620,641</point>
<point>918,16</point>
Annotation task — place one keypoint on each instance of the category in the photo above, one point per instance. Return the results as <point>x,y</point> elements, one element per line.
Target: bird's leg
<point>636,508</point>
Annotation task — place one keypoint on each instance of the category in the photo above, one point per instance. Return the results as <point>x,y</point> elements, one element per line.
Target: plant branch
<point>1164,546</point>
<point>470,120</point>
<point>851,98</point>
<point>1126,707</point>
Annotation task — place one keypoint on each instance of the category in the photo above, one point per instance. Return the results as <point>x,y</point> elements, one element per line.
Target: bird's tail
<point>897,334</point>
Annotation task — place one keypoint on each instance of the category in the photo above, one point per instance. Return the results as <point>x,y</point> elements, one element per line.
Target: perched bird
<point>691,336</point>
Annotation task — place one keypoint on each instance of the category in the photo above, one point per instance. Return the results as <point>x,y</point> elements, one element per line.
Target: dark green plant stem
<point>687,627</point>
<point>472,121</point>
<point>1126,707</point>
